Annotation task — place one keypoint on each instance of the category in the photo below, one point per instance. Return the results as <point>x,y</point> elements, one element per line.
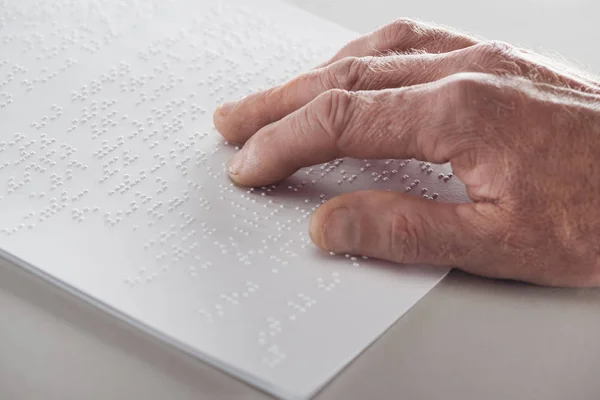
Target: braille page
<point>113,183</point>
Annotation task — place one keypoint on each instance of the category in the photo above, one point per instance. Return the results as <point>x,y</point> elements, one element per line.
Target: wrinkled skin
<point>520,131</point>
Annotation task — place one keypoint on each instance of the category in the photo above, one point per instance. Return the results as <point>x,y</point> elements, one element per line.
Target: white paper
<point>113,184</point>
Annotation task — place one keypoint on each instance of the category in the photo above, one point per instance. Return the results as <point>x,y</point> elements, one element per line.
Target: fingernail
<point>225,108</point>
<point>236,163</point>
<point>341,231</point>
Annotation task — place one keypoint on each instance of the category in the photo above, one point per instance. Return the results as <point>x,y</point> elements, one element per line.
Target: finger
<point>405,229</point>
<point>432,122</point>
<point>404,35</point>
<point>238,121</point>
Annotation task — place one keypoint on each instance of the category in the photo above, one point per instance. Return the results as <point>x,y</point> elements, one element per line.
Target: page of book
<point>113,184</point>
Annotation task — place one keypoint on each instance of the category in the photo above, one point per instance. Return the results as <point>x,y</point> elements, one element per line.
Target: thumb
<point>400,228</point>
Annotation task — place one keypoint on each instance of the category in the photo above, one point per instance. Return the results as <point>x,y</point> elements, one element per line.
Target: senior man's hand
<point>521,132</point>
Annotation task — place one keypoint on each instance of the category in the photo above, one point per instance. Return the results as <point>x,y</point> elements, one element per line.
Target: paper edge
<point>156,334</point>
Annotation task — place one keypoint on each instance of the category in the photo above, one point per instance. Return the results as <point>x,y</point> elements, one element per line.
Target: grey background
<point>470,338</point>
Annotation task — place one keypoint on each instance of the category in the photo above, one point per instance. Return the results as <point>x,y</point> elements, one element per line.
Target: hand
<point>522,134</point>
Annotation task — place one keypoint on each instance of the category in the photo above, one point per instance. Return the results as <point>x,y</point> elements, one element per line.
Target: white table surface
<point>470,338</point>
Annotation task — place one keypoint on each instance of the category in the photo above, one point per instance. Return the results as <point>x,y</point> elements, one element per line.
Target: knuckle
<point>404,239</point>
<point>402,29</point>
<point>476,92</point>
<point>497,48</point>
<point>466,90</point>
<point>477,104</point>
<point>333,111</point>
<point>348,73</point>
<point>498,56</point>
<point>269,97</point>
